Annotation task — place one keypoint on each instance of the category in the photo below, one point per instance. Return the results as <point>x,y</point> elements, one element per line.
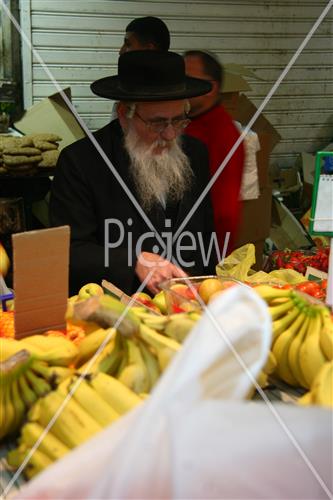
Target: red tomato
<point>309,287</point>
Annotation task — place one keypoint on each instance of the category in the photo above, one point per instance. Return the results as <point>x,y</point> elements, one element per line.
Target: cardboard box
<point>255,219</point>
<point>286,231</point>
<point>286,180</point>
<point>52,115</point>
<point>267,134</point>
<point>41,266</point>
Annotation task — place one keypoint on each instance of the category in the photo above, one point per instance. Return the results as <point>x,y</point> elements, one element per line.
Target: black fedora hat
<point>150,75</point>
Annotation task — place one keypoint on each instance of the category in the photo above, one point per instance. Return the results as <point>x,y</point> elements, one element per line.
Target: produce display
<point>299,260</point>
<point>122,352</point>
<point>302,338</point>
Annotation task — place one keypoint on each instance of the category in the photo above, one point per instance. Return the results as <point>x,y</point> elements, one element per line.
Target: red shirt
<point>216,129</point>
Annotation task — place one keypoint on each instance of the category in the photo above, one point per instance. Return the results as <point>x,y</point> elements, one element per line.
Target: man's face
<point>151,122</point>
<point>159,167</point>
<point>132,42</point>
<point>194,68</point>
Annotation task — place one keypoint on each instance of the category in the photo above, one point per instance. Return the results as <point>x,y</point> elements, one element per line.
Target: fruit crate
<point>181,293</point>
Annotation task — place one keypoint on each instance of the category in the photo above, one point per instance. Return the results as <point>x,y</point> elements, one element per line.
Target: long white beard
<point>158,177</point>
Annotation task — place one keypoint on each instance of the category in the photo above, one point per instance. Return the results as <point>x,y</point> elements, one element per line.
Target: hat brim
<point>110,88</point>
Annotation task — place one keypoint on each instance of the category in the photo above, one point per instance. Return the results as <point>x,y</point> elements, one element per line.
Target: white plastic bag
<point>196,437</point>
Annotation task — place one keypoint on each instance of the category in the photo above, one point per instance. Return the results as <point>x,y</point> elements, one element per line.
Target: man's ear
<point>122,115</point>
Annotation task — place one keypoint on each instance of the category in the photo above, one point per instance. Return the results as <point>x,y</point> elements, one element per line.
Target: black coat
<point>85,193</point>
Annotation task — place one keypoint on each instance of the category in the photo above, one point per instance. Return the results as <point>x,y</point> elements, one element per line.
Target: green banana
<point>18,404</point>
<point>39,385</point>
<point>120,397</point>
<point>179,328</point>
<point>111,362</point>
<point>165,347</point>
<point>28,395</point>
<point>151,364</point>
<point>135,375</point>
<point>52,374</point>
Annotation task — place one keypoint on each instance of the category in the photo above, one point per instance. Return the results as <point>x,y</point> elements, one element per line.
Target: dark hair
<point>211,65</point>
<point>151,30</point>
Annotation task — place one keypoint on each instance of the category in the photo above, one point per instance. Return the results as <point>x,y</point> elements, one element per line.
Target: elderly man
<point>155,175</point>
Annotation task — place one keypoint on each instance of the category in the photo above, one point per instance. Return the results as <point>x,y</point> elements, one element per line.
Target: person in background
<point>146,33</point>
<point>211,123</point>
<point>165,171</point>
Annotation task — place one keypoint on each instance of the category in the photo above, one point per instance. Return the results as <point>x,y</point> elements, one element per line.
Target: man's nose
<point>169,133</point>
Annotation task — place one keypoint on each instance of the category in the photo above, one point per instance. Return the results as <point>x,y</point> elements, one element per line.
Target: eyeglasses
<point>159,125</point>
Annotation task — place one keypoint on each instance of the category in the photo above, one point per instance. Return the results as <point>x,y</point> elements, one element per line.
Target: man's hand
<point>159,269</point>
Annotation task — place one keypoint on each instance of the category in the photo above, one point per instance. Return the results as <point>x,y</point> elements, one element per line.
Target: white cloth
<point>250,182</point>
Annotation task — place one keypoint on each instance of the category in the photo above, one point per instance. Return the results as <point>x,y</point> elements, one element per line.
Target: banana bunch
<point>24,379</point>
<point>321,392</point>
<point>96,402</point>
<point>302,335</point>
<point>56,351</point>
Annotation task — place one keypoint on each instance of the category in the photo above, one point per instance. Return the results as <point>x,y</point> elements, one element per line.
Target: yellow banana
<point>36,464</point>
<point>270,364</point>
<point>16,456</point>
<point>57,351</point>
<point>269,293</point>
<point>326,335</point>
<point>7,410</point>
<point>151,364</point>
<point>9,347</point>
<point>73,425</point>
<point>116,394</point>
<point>51,446</point>
<point>322,386</point>
<point>293,353</point>
<point>276,311</point>
<point>311,358</point>
<point>281,324</point>
<point>281,348</point>
<point>306,399</point>
<point>91,343</point>
<point>94,404</point>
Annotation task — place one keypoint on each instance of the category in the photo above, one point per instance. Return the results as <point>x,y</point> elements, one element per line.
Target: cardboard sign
<point>41,266</point>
